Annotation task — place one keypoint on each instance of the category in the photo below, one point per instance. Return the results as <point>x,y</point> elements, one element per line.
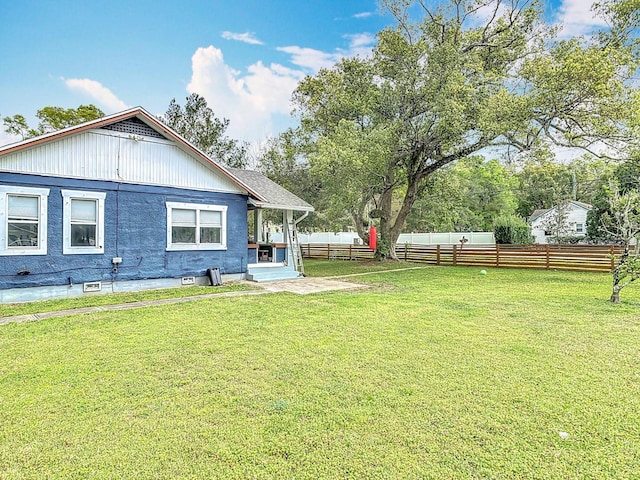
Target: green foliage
<point>282,162</point>
<point>197,123</point>
<point>434,92</point>
<point>444,86</point>
<point>465,196</point>
<point>511,229</point>
<point>569,239</point>
<point>51,120</point>
<point>622,223</point>
<point>623,179</point>
<point>626,272</point>
<point>591,83</point>
<point>17,125</point>
<point>543,181</point>
<point>409,378</point>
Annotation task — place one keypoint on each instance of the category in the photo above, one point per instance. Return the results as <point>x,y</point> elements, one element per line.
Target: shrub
<point>512,229</point>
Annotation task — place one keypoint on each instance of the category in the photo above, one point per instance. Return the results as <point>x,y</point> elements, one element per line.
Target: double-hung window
<point>192,226</point>
<point>23,220</point>
<point>83,223</point>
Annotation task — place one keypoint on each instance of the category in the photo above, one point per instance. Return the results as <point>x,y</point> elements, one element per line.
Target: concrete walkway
<point>301,286</point>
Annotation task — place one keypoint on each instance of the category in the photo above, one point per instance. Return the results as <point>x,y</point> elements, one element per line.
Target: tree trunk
<point>615,296</point>
<point>359,220</point>
<point>390,231</point>
<point>386,246</point>
<point>624,258</point>
<point>387,242</point>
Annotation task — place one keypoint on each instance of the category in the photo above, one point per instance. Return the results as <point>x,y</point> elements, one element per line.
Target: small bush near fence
<point>589,258</point>
<point>512,230</point>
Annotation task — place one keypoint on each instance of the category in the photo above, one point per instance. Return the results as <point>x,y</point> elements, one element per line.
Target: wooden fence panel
<point>590,258</point>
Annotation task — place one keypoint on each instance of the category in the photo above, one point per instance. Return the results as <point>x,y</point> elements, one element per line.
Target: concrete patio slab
<point>308,285</point>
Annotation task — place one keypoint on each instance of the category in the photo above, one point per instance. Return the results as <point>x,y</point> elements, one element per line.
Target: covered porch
<point>268,260</point>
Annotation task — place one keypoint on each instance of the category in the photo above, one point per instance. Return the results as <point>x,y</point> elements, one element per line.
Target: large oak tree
<point>451,81</point>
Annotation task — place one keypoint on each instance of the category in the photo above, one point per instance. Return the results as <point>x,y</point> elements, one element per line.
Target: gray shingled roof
<point>275,196</point>
<point>538,213</point>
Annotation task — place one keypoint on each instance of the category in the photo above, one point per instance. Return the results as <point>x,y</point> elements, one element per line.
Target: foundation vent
<point>91,287</point>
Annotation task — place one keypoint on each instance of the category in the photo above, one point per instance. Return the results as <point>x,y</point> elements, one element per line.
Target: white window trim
<point>197,246</point>
<point>43,193</point>
<point>67,196</point>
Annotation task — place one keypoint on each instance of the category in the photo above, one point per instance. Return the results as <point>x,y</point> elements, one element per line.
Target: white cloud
<point>257,99</point>
<point>575,17</point>
<point>98,92</point>
<point>488,12</point>
<point>363,15</point>
<point>245,37</point>
<point>249,101</point>
<point>309,58</point>
<point>360,44</point>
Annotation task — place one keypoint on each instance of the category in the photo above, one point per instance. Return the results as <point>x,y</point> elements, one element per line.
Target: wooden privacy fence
<point>589,258</point>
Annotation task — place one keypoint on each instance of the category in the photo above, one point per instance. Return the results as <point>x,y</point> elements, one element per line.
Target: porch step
<point>271,274</point>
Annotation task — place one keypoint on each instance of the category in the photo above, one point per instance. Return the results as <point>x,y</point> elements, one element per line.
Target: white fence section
<point>449,238</point>
<point>352,238</point>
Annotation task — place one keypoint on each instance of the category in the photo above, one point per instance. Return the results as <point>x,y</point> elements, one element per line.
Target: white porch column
<point>257,225</point>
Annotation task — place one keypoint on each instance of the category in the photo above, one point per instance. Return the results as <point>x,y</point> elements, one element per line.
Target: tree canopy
<point>51,119</point>
<point>197,123</point>
<point>449,82</point>
<point>621,181</point>
<point>465,196</point>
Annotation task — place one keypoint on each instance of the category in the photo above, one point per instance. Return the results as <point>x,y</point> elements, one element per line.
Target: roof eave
<point>275,206</point>
<point>145,117</point>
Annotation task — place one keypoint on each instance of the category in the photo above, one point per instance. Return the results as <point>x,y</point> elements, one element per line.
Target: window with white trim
<point>83,222</point>
<point>579,228</point>
<point>191,226</point>
<point>23,220</point>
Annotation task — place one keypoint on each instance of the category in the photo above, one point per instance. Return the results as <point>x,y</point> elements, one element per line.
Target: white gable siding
<point>113,156</point>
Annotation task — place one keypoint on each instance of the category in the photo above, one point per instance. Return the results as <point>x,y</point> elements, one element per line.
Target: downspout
<point>306,214</point>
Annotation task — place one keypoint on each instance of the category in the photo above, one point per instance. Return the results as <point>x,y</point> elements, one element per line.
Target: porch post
<point>257,225</point>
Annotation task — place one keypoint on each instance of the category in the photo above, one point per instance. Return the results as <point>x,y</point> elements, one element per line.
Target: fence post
<point>405,252</point>
<point>328,251</point>
<point>438,254</point>
<point>455,260</point>
<point>548,250</point>
<point>497,255</point>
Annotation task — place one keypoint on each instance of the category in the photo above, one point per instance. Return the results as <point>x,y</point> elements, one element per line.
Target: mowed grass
<point>428,373</point>
<point>101,299</point>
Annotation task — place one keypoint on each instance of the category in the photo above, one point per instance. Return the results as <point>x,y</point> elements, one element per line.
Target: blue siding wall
<point>135,229</point>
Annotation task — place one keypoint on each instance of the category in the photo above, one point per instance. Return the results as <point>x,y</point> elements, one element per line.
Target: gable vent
<point>133,126</point>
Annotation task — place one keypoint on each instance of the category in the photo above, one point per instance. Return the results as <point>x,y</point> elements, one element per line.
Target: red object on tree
<point>373,237</point>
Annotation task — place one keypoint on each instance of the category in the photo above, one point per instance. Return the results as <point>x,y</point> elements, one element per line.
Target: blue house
<point>124,203</point>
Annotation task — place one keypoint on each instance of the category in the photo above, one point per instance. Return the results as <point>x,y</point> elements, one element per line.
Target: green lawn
<point>430,373</point>
<point>100,299</point>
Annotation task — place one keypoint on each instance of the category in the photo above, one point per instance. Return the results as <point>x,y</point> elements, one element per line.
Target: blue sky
<point>244,56</point>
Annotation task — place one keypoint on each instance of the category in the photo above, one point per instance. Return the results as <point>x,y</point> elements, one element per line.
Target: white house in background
<point>575,225</point>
